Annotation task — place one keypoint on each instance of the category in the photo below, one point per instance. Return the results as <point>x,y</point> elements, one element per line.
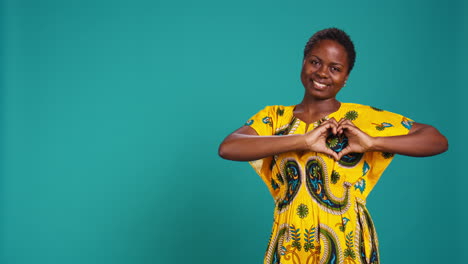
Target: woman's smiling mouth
<point>319,85</point>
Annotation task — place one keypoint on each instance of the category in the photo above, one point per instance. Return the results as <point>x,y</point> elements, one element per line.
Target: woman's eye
<point>314,62</point>
<point>335,69</point>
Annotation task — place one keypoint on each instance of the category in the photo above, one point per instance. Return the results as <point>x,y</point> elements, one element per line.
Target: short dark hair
<point>337,35</point>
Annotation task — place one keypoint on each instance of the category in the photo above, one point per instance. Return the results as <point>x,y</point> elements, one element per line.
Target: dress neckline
<point>326,117</point>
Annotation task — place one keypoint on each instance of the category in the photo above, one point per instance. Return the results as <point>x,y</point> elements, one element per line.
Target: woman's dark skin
<point>325,70</point>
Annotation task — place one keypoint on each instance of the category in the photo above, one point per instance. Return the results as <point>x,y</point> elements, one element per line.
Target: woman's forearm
<point>242,147</point>
<point>424,141</point>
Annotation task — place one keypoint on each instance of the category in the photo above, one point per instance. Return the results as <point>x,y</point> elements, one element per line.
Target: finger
<point>339,129</point>
<point>345,121</point>
<point>344,152</point>
<point>345,126</point>
<point>340,125</point>
<point>339,156</point>
<point>323,128</point>
<point>342,120</point>
<point>328,125</point>
<point>331,124</point>
<point>332,154</point>
<point>335,156</point>
<point>348,128</point>
<point>332,120</point>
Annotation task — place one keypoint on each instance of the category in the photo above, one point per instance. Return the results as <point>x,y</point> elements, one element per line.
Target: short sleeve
<point>380,123</point>
<point>263,121</point>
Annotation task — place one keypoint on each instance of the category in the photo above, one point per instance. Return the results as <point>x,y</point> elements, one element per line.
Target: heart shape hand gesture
<point>338,139</point>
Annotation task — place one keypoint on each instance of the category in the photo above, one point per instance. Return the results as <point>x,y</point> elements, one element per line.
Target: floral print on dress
<point>351,115</point>
<point>382,126</point>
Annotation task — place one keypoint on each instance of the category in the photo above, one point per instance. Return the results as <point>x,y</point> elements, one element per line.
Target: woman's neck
<point>311,110</point>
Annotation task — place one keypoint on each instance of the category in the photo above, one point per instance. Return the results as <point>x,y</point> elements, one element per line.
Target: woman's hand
<point>358,141</point>
<point>316,139</point>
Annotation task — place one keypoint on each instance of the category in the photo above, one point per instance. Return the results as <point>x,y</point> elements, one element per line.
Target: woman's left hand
<point>358,141</point>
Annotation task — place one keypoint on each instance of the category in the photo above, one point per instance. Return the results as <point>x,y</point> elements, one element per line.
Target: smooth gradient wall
<point>112,113</point>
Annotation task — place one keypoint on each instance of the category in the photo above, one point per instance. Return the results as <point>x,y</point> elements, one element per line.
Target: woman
<point>321,158</point>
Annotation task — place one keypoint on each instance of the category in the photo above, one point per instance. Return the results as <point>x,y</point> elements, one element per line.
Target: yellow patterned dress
<point>320,204</point>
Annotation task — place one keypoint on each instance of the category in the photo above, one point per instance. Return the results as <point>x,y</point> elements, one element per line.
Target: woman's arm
<point>245,144</point>
<point>421,141</point>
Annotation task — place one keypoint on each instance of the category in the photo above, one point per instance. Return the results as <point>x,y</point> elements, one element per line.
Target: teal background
<point>112,112</point>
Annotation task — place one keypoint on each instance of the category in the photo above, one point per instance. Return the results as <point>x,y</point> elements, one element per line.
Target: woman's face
<point>325,69</point>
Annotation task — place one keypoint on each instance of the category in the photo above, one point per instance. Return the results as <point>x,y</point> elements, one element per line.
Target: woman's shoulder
<point>366,109</point>
<point>269,119</point>
<point>278,108</point>
<point>365,116</point>
<point>361,107</point>
<point>277,112</point>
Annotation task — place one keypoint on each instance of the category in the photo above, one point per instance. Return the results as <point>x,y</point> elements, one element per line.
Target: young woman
<point>321,158</point>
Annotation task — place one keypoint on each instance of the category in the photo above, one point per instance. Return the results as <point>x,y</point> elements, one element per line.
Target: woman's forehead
<point>331,50</point>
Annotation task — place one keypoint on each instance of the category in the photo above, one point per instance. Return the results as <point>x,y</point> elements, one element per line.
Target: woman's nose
<point>321,72</point>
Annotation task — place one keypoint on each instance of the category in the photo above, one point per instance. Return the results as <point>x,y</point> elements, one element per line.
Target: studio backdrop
<point>112,113</point>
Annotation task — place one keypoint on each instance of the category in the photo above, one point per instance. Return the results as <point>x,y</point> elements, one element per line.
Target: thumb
<point>344,152</point>
<point>332,153</point>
